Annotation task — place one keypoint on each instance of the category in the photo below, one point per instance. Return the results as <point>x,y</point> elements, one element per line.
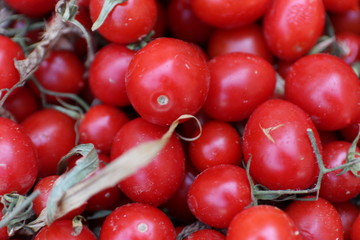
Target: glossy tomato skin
<point>32,8</point>
<point>326,88</point>
<point>61,71</point>
<point>18,162</point>
<point>9,75</point>
<point>219,143</point>
<point>246,39</point>
<point>316,219</point>
<point>276,141</point>
<point>107,74</point>
<point>233,13</point>
<point>239,83</point>
<point>160,179</point>
<point>53,135</point>
<point>99,126</point>
<point>137,221</point>
<point>334,187</point>
<point>208,234</point>
<point>63,229</point>
<point>127,22</point>
<point>284,30</point>
<point>350,44</point>
<point>348,212</point>
<point>262,222</point>
<point>167,78</point>
<point>355,229</point>
<point>218,194</point>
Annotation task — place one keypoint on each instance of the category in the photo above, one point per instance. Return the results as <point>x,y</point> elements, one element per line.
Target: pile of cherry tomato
<point>275,87</point>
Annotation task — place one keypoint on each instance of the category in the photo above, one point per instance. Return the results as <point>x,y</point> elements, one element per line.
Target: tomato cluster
<point>274,85</point>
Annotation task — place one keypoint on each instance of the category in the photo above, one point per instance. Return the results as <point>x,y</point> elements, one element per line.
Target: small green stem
<point>105,10</point>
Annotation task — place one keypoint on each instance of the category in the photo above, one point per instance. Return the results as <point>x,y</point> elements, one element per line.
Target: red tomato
<point>348,214</point>
<point>355,229</point>
<point>229,13</point>
<point>316,219</point>
<point>45,186</point>
<point>184,24</point>
<point>9,51</point>
<point>61,71</point>
<point>262,222</point>
<point>206,234</point>
<point>160,179</point>
<point>127,22</point>
<point>348,21</point>
<point>53,135</point>
<point>99,126</point>
<point>219,143</point>
<point>18,162</point>
<point>218,194</point>
<point>284,29</point>
<point>341,6</point>
<point>137,221</point>
<point>350,132</point>
<point>63,229</point>
<point>326,88</point>
<point>334,187</point>
<point>239,83</point>
<point>246,39</point>
<point>167,78</point>
<point>276,140</point>
<point>350,45</point>
<point>107,74</point>
<point>32,8</point>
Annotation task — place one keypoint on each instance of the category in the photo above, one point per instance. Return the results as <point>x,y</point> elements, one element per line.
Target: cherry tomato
<point>276,141</point>
<point>9,51</point>
<point>350,132</point>
<point>316,219</point>
<point>107,74</point>
<point>208,234</point>
<point>246,39</point>
<point>127,22</point>
<point>262,222</point>
<point>45,186</point>
<point>326,88</point>
<point>18,161</point>
<point>350,45</point>
<point>184,24</point>
<point>61,72</point>
<point>137,221</point>
<point>167,78</point>
<point>343,6</point>
<point>99,126</point>
<point>218,194</point>
<point>219,143</point>
<point>53,135</point>
<point>63,229</point>
<point>348,21</point>
<point>160,179</point>
<point>348,214</point>
<point>284,30</point>
<point>229,13</point>
<point>239,83</point>
<point>355,229</point>
<point>334,187</point>
<point>32,8</point>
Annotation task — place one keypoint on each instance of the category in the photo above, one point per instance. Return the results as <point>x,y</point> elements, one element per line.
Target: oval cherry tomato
<point>9,51</point>
<point>160,179</point>
<point>219,143</point>
<point>63,229</point>
<point>127,22</point>
<point>167,78</point>
<point>326,88</point>
<point>239,83</point>
<point>334,187</point>
<point>18,161</point>
<point>262,222</point>
<point>355,229</point>
<point>208,234</point>
<point>348,212</point>
<point>276,141</point>
<point>32,8</point>
<point>99,126</point>
<point>350,45</point>
<point>233,13</point>
<point>218,194</point>
<point>53,135</point>
<point>346,21</point>
<point>316,219</point>
<point>107,74</point>
<point>284,29</point>
<point>137,221</point>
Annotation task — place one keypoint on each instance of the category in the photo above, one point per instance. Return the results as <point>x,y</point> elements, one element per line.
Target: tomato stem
<point>105,10</point>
